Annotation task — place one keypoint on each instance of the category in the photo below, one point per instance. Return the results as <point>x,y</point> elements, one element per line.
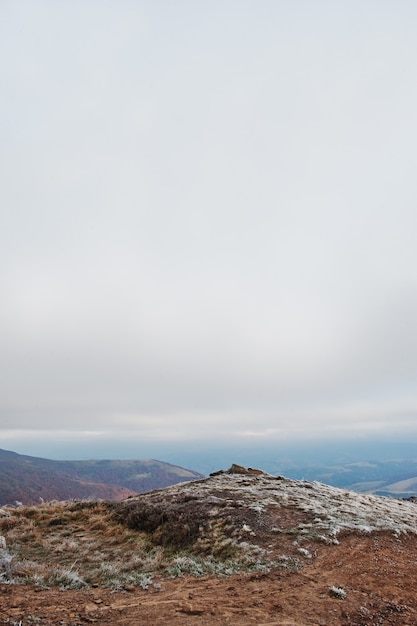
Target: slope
<point>240,547</point>
<point>31,480</point>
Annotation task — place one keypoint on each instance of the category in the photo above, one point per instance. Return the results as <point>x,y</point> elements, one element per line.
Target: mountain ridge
<point>31,480</point>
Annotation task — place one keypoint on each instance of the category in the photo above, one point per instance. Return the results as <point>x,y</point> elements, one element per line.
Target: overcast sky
<point>208,220</point>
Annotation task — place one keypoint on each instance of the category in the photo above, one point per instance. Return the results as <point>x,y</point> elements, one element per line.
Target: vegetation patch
<point>228,523</point>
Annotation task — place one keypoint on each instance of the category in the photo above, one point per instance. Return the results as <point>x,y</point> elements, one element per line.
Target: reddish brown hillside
<point>31,480</point>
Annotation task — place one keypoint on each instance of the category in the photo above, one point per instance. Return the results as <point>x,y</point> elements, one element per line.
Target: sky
<point>208,217</point>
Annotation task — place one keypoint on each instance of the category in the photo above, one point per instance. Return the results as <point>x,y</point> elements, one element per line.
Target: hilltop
<point>239,547</point>
<point>32,480</point>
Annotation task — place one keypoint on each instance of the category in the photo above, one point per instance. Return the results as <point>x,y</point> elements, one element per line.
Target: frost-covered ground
<point>234,521</point>
<point>239,547</point>
<point>331,509</point>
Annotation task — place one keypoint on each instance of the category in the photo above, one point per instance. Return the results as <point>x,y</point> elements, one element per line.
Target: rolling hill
<point>240,547</point>
<point>395,478</point>
<point>31,480</point>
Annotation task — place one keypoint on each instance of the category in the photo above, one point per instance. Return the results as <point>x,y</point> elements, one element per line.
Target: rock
<point>188,609</point>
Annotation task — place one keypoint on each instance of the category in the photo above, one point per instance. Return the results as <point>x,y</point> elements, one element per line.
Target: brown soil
<point>378,573</point>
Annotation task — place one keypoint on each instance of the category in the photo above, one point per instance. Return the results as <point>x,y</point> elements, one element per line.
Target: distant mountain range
<point>31,480</point>
<point>393,478</point>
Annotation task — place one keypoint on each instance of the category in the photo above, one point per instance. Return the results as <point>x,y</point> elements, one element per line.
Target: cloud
<point>208,220</point>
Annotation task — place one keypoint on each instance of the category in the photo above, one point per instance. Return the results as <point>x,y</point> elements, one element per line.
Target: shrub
<point>167,526</point>
<point>66,578</point>
<point>5,564</point>
<point>337,592</point>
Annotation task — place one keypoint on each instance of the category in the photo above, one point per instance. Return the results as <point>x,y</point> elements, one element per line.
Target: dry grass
<point>68,543</point>
<point>224,524</point>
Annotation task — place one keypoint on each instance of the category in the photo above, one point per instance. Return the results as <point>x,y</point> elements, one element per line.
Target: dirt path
<point>378,574</point>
